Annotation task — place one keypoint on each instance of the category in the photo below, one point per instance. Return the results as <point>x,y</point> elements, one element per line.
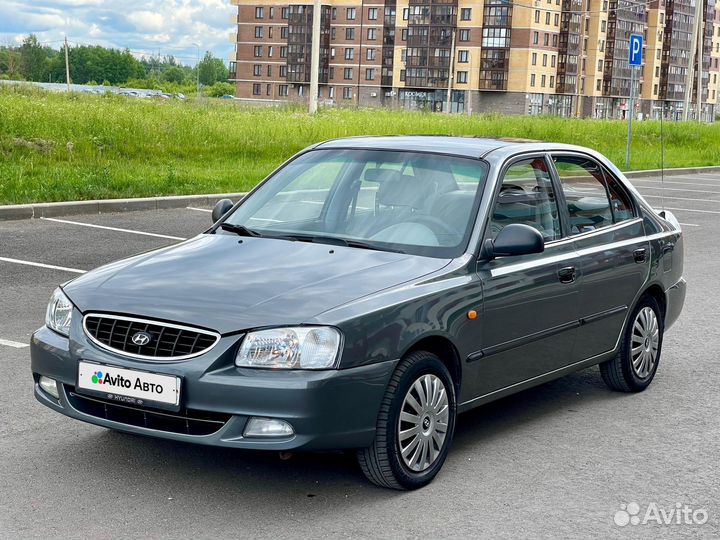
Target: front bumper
<point>331,409</point>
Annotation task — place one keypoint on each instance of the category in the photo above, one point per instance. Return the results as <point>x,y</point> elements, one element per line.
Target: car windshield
<point>412,202</point>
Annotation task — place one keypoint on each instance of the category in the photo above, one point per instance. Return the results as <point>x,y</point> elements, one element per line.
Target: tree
<point>10,63</point>
<point>174,74</point>
<point>212,70</point>
<point>34,59</point>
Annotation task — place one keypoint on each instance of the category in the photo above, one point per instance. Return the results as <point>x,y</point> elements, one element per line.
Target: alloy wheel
<point>644,342</point>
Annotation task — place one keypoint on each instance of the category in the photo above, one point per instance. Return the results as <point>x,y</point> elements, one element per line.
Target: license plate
<point>129,386</point>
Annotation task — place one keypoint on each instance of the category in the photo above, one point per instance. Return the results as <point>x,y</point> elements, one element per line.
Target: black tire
<point>382,462</point>
<point>618,373</point>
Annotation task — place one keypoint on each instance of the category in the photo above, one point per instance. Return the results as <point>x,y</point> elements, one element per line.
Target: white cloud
<point>170,26</point>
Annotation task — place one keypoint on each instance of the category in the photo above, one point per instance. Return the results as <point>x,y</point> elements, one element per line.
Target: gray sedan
<point>367,292</point>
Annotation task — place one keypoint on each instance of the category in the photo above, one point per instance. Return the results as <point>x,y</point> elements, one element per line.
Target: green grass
<point>56,147</point>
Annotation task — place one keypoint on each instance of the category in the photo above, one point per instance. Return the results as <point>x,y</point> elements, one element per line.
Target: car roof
<point>472,147</point>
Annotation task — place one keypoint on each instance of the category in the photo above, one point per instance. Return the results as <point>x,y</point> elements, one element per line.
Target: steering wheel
<point>437,226</point>
<point>511,187</point>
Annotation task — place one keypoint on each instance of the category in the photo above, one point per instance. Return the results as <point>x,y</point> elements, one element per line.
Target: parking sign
<point>636,45</point>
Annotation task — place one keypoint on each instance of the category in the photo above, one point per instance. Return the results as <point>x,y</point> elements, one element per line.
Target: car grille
<point>167,341</point>
<point>186,421</point>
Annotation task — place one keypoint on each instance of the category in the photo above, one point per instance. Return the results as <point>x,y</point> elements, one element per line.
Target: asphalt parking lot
<point>555,461</point>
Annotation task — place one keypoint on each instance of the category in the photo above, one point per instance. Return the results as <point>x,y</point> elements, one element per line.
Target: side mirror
<point>222,207</point>
<point>514,239</point>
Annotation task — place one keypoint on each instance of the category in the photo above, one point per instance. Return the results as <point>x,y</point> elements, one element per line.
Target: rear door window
<point>594,199</point>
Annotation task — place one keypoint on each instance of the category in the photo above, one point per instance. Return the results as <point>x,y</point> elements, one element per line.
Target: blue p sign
<point>636,45</point>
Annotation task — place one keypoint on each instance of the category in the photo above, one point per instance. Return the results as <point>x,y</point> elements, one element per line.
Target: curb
<point>30,211</point>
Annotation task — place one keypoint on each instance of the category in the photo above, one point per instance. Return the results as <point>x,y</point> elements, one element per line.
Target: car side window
<point>594,199</point>
<point>527,197</point>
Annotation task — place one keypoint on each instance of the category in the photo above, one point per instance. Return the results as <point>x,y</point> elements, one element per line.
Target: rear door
<point>610,239</point>
<point>530,302</point>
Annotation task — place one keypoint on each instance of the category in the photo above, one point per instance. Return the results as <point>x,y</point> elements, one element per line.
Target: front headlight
<point>59,313</point>
<point>299,347</point>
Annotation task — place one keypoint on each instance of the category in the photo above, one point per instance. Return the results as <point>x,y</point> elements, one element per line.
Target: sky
<point>143,26</point>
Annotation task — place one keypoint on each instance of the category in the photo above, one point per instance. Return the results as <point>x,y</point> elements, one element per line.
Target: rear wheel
<point>415,425</point>
<point>635,365</point>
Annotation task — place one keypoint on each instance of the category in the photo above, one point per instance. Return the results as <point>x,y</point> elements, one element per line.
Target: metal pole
<point>197,68</point>
<point>451,72</point>
<point>315,58</point>
<point>631,113</point>
<point>67,65</point>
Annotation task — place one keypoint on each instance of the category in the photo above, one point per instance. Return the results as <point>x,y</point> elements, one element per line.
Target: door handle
<point>566,274</point>
<point>640,255</point>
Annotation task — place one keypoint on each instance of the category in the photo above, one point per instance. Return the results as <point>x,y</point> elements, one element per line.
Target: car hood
<point>216,282</point>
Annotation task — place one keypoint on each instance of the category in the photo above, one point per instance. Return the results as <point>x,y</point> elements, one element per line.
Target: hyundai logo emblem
<point>141,338</point>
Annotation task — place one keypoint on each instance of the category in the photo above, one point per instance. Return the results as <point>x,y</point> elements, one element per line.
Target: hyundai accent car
<point>364,294</point>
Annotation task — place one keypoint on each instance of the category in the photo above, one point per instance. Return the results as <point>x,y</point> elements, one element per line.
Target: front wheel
<point>415,425</point>
<point>634,367</point>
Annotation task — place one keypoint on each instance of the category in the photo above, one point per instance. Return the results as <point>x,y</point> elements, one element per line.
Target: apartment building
<point>557,57</point>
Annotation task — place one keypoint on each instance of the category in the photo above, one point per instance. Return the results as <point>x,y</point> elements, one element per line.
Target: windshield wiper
<point>335,241</point>
<point>240,230</point>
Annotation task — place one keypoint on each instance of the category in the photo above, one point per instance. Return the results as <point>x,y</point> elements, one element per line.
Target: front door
<point>530,302</point>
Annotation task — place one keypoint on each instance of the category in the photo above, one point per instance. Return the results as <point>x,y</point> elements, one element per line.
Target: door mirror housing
<point>514,239</point>
<point>222,207</point>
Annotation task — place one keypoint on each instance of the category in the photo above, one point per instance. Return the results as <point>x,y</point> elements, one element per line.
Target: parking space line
<point>94,226</point>
<point>688,224</point>
<point>42,265</point>
<point>678,198</point>
<point>198,209</point>
<point>692,210</point>
<point>671,182</point>
<point>14,344</point>
<point>678,189</point>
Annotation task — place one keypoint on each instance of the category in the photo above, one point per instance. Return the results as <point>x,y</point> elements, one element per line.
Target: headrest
<point>404,190</point>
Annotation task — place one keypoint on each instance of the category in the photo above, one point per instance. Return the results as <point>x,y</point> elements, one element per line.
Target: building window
<point>404,34</point>
<point>603,26</point>
<point>256,89</point>
<point>465,14</point>
<point>599,68</point>
<point>547,18</point>
<point>351,14</point>
<point>552,81</point>
<point>657,71</point>
<point>347,74</point>
<point>283,71</point>
<point>301,90</point>
<point>655,89</point>
<point>597,84</point>
<point>406,14</point>
<point>283,52</point>
<point>546,39</point>
<point>536,38</point>
<point>464,35</point>
<point>555,40</point>
<point>605,5</point>
<point>270,30</point>
<point>349,53</point>
<point>537,15</point>
<point>349,34</point>
<point>283,90</point>
<point>331,92</point>
<point>462,77</point>
<point>257,70</point>
<point>347,92</point>
<point>533,61</point>
<point>372,14</point>
<point>370,55</point>
<point>402,75</point>
<point>270,51</point>
<point>285,14</point>
<point>331,72</point>
<point>370,74</point>
<point>272,12</point>
<point>259,12</point>
<point>333,33</point>
<point>532,79</point>
<point>334,13</point>
<point>332,53</point>
<point>284,32</point>
<point>372,34</point>
<point>463,57</point>
<point>542,81</point>
<point>257,51</point>
<point>269,71</point>
<point>552,61</point>
<point>556,20</point>
<point>258,31</point>
<point>544,60</point>
<point>268,89</point>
